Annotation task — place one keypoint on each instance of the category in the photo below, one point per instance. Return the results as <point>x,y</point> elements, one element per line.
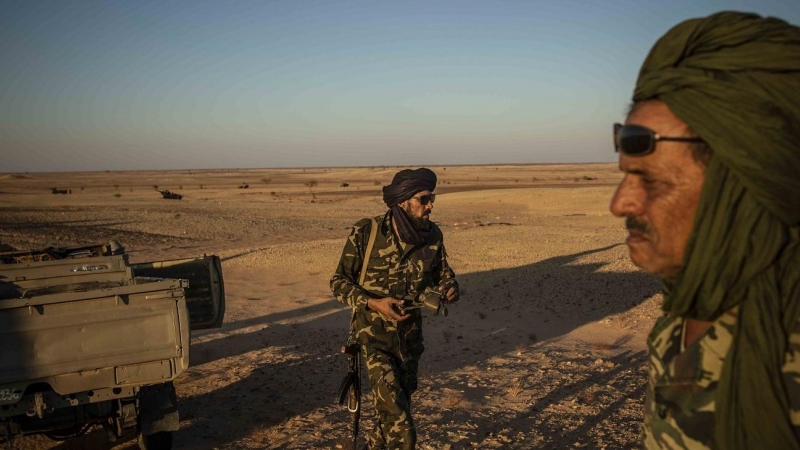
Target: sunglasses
<point>635,140</point>
<point>425,199</point>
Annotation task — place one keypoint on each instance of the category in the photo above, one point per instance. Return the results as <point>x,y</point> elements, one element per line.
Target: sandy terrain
<point>544,351</point>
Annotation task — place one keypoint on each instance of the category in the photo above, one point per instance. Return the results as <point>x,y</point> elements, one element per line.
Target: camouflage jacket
<point>396,269</point>
<point>680,399</point>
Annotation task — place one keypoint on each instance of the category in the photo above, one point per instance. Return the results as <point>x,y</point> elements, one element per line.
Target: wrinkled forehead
<point>656,115</point>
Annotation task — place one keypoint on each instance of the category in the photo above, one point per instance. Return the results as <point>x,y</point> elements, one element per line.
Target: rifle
<point>349,392</point>
<point>350,387</point>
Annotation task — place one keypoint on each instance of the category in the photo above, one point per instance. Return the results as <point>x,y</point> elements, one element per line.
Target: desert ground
<point>545,349</point>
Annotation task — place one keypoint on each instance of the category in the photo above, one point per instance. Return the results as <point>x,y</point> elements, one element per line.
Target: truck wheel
<point>157,441</point>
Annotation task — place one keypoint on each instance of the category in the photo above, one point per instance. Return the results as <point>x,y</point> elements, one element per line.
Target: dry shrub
<point>603,346</point>
<point>264,434</point>
<point>452,400</point>
<point>588,398</point>
<point>515,388</point>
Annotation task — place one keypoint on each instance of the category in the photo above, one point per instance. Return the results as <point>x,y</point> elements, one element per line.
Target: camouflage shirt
<point>395,269</point>
<point>680,400</point>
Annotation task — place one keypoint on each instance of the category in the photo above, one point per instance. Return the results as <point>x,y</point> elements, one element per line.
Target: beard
<point>422,223</point>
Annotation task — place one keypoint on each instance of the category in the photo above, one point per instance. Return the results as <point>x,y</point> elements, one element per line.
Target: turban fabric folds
<point>734,78</point>
<point>404,185</point>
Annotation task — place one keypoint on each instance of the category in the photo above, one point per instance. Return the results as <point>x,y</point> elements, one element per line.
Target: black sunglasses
<point>425,199</point>
<point>636,140</point>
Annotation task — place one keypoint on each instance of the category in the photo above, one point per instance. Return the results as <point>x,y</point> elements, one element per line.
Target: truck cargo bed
<point>130,334</point>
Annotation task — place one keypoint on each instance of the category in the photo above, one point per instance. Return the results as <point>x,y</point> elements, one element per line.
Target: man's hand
<point>388,308</point>
<point>452,294</point>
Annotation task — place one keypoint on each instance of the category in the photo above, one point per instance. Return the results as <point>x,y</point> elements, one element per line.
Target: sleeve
<point>344,282</point>
<point>442,273</point>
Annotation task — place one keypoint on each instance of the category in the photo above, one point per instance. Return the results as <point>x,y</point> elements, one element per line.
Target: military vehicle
<point>88,338</point>
<point>170,195</point>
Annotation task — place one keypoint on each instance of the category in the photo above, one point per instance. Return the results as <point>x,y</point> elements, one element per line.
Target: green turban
<point>734,78</point>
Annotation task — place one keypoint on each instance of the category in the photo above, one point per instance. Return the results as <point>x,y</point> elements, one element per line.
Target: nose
<point>628,199</point>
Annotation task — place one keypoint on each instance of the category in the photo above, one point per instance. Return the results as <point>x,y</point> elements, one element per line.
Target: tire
<point>157,441</point>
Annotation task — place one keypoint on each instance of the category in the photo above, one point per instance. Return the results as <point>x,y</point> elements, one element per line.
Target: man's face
<point>659,193</point>
<point>420,214</point>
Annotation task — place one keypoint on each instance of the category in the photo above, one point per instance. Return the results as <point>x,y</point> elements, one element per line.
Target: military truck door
<point>205,297</point>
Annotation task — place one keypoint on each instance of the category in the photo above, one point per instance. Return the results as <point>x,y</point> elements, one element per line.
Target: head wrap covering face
<point>404,185</point>
<point>734,78</point>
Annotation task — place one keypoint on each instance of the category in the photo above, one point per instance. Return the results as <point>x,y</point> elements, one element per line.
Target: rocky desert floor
<point>545,350</point>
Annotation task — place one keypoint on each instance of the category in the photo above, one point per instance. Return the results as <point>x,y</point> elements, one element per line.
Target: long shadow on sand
<point>499,311</point>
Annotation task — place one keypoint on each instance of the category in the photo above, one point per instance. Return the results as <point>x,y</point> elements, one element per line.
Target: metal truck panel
<point>125,327</point>
<point>26,280</point>
<point>205,295</point>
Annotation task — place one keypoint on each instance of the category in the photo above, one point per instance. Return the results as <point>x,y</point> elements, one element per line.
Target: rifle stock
<point>349,391</point>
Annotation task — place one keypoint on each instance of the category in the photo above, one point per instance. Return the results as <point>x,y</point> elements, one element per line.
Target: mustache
<point>633,224</point>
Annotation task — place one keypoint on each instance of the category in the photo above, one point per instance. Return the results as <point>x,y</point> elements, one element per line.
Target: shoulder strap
<point>373,233</point>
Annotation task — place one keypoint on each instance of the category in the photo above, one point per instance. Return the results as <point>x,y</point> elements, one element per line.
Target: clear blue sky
<point>199,84</point>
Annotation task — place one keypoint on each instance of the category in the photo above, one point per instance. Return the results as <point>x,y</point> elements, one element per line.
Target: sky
<point>148,85</point>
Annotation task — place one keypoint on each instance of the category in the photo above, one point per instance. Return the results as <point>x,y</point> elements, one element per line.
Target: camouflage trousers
<point>392,383</point>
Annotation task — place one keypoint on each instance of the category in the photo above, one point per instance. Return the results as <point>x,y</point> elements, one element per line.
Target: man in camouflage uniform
<point>407,257</point>
<point>711,197</point>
